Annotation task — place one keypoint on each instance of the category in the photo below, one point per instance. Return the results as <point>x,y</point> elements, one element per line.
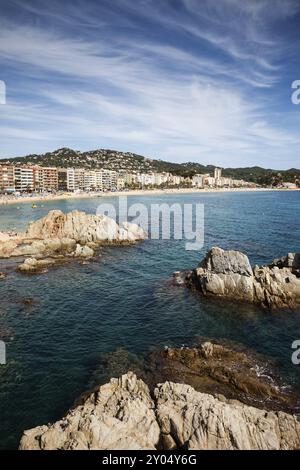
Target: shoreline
<point>133,192</point>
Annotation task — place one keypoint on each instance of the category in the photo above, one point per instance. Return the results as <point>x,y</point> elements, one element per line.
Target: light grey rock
<point>224,262</point>
<point>121,415</point>
<point>229,274</point>
<point>198,421</point>
<point>83,228</point>
<point>58,235</point>
<point>83,251</point>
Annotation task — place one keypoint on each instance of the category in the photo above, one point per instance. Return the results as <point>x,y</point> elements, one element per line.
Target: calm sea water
<point>125,299</point>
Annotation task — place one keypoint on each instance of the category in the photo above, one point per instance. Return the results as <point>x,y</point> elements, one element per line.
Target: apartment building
<point>24,178</point>
<point>7,178</point>
<point>79,178</point>
<point>90,180</point>
<point>66,179</point>
<point>49,179</point>
<point>109,179</point>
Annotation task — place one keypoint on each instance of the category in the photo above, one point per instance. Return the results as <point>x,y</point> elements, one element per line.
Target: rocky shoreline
<point>123,415</point>
<point>206,397</point>
<point>228,274</point>
<point>60,237</point>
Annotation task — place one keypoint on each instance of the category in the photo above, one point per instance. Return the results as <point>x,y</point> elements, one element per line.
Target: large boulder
<point>58,235</point>
<point>227,262</point>
<point>83,228</point>
<point>229,274</point>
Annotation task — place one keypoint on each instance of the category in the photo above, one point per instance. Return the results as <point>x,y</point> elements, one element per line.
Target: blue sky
<point>182,80</point>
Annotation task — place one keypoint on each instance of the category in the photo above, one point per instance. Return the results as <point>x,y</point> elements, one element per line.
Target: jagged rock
<point>290,261</point>
<point>229,274</point>
<point>83,228</point>
<point>199,421</point>
<point>119,415</point>
<point>122,416</point>
<point>58,235</point>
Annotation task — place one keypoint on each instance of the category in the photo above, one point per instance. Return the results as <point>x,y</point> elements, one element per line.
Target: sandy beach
<point>6,200</point>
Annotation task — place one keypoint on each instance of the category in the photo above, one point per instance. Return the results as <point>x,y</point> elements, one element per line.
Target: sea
<point>59,326</point>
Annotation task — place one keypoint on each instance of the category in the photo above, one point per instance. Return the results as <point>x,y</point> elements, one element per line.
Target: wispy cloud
<point>178,83</point>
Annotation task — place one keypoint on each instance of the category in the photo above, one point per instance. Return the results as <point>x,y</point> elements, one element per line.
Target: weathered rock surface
<point>58,235</point>
<point>218,369</point>
<point>121,415</point>
<point>83,228</point>
<point>198,421</point>
<point>229,274</point>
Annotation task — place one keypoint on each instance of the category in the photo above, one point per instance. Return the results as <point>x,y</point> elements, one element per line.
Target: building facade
<point>7,178</point>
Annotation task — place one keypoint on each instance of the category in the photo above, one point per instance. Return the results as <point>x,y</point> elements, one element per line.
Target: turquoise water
<point>125,299</point>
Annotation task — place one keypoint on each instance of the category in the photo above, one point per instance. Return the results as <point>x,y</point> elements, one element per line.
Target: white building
<point>198,181</point>
<point>109,179</point>
<point>146,179</point>
<point>24,179</point>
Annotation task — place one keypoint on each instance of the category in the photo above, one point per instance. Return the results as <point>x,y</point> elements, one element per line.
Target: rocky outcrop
<point>229,274</point>
<point>59,235</point>
<point>198,421</point>
<point>83,228</point>
<point>122,415</point>
<point>119,415</point>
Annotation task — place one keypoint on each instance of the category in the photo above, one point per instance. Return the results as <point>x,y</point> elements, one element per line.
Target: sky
<point>182,80</point>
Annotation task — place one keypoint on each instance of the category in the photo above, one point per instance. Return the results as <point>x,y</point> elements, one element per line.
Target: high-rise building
<point>218,173</point>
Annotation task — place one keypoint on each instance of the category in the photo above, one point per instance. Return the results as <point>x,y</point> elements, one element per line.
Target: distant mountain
<point>130,162</point>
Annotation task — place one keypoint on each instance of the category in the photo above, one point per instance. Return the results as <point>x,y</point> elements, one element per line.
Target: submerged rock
<point>121,415</point>
<point>225,370</point>
<point>229,274</point>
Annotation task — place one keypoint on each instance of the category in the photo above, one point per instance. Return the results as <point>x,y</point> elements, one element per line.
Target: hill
<point>130,162</point>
